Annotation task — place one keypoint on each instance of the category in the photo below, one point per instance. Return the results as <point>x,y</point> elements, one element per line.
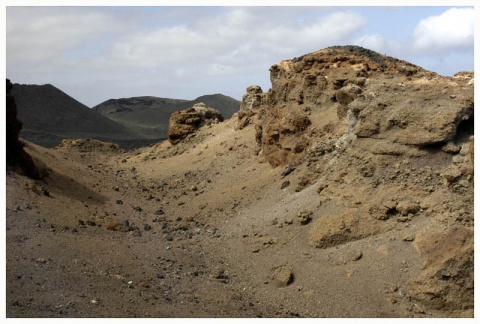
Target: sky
<point>95,53</point>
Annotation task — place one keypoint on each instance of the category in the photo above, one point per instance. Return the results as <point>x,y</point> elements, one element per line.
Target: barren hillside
<point>50,115</point>
<point>149,116</point>
<point>345,190</point>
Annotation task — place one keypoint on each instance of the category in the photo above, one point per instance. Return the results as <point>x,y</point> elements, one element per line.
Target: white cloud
<point>238,40</point>
<point>41,33</point>
<point>451,31</point>
<point>374,42</point>
<point>197,47</point>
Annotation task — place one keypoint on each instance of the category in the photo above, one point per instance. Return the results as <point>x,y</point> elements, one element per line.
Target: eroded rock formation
<point>185,122</point>
<point>385,142</point>
<point>350,90</point>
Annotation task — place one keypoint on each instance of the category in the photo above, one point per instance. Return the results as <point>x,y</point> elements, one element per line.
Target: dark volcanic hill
<point>50,115</point>
<point>149,116</point>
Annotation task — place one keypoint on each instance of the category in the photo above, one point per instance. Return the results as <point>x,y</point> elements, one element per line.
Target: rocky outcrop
<point>387,144</point>
<point>185,122</point>
<point>17,158</point>
<point>359,93</point>
<point>251,103</point>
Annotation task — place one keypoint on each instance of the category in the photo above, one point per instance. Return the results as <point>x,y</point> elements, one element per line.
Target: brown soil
<point>346,190</point>
<point>202,233</point>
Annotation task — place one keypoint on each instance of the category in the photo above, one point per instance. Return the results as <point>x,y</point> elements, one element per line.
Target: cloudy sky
<point>96,53</point>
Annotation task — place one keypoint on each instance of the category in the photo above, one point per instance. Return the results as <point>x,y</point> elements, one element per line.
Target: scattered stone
<point>285,184</point>
<point>409,238</point>
<point>138,209</point>
<point>304,217</point>
<point>443,274</point>
<point>159,211</point>
<point>356,255</point>
<point>218,274</point>
<point>91,223</point>
<point>407,207</point>
<point>282,276</point>
<point>119,202</point>
<point>41,260</point>
<point>143,284</point>
<point>287,171</point>
<point>119,226</point>
<point>147,227</point>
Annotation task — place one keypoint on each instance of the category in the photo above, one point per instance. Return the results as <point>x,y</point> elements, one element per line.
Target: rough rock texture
<point>185,122</point>
<point>350,226</point>
<point>448,279</point>
<point>282,276</point>
<point>17,158</point>
<point>387,144</point>
<point>374,96</point>
<point>251,103</point>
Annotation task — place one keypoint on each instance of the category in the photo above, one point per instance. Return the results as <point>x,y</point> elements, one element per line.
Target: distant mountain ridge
<point>50,115</point>
<point>149,116</point>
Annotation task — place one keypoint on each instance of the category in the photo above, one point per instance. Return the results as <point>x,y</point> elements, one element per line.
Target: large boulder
<point>185,122</point>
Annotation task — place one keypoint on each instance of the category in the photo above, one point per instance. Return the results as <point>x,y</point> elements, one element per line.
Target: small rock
<point>119,202</point>
<point>218,273</point>
<point>407,207</point>
<point>143,284</point>
<point>147,227</point>
<point>443,274</point>
<point>283,276</point>
<point>304,217</point>
<point>356,255</point>
<point>409,238</point>
<point>159,211</point>
<point>285,184</point>
<point>41,260</point>
<point>287,171</point>
<point>393,288</point>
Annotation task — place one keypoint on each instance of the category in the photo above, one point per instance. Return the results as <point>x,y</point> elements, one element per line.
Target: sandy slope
<point>208,224</point>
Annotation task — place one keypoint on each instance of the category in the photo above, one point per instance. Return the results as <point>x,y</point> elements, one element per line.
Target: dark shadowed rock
<point>17,158</point>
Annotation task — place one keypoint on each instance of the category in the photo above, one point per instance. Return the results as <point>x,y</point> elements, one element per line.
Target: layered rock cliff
<point>353,93</point>
<point>387,144</point>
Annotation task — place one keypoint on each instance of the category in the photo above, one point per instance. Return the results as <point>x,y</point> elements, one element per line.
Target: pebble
<point>356,255</point>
